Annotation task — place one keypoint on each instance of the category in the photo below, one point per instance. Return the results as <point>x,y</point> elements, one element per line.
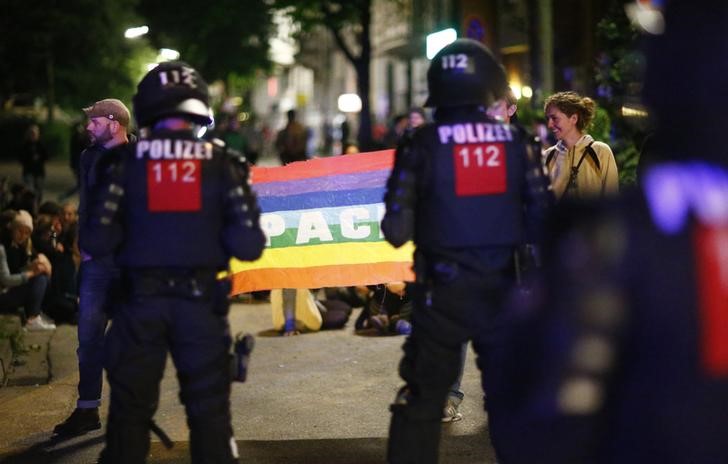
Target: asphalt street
<point>315,398</point>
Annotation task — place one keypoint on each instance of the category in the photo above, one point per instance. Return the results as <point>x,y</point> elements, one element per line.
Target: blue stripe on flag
<point>314,200</point>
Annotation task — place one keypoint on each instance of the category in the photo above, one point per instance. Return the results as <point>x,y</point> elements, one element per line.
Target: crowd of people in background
<point>39,261</point>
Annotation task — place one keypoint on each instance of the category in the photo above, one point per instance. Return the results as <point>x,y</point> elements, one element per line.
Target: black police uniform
<point>172,244</point>
<point>464,188</point>
<point>624,358</point>
<point>178,208</point>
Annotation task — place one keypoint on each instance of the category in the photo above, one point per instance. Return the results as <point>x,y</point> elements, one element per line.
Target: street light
<point>168,54</point>
<point>349,103</point>
<point>134,32</point>
<point>437,40</point>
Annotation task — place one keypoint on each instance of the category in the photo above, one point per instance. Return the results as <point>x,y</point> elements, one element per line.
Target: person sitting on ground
<point>69,236</point>
<point>24,274</point>
<point>388,309</point>
<point>296,310</point>
<point>61,300</point>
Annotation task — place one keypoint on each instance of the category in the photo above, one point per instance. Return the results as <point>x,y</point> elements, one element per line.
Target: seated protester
<point>356,297</point>
<point>24,274</point>
<point>296,310</point>
<point>69,236</point>
<point>64,221</point>
<point>388,309</point>
<point>61,300</point>
<point>335,312</point>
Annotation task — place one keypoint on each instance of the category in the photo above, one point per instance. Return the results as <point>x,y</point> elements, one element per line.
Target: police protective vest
<point>185,204</point>
<point>473,172</point>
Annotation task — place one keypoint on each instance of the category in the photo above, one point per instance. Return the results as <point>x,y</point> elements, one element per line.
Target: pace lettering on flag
<point>321,218</point>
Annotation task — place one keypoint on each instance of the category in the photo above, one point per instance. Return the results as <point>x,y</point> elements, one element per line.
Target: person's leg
<point>32,295</point>
<point>135,356</point>
<point>455,396</point>
<point>38,184</point>
<point>429,367</point>
<point>98,289</point>
<point>200,346</point>
<point>28,180</point>
<point>289,311</point>
<point>488,344</point>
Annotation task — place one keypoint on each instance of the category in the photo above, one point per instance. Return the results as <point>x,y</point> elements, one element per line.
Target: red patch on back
<point>174,185</point>
<point>711,254</point>
<point>480,169</point>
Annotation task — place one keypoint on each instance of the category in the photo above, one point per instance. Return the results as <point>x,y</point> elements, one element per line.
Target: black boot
<point>79,422</point>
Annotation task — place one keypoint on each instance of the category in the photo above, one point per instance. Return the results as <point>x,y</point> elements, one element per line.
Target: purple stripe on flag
<point>364,180</point>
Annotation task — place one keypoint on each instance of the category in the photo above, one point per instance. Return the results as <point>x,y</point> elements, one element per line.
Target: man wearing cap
<point>108,122</point>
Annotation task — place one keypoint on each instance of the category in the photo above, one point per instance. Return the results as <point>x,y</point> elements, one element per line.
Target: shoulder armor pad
<point>231,153</point>
<point>235,155</point>
<point>218,143</point>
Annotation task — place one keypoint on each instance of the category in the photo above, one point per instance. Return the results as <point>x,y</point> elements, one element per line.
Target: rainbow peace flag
<point>321,218</point>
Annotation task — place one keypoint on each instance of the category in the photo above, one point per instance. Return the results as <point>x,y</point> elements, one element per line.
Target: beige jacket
<point>590,182</point>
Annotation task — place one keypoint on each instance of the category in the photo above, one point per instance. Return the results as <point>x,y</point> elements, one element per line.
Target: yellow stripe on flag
<point>326,255</point>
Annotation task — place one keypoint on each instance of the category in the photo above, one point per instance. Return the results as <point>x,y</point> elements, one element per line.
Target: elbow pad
<point>243,236</point>
<point>398,227</point>
<point>400,198</point>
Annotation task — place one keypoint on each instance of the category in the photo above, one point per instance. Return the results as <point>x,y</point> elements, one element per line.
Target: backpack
<point>575,169</point>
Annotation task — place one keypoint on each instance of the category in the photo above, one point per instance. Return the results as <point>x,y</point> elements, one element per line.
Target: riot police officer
<point>625,358</point>
<point>178,207</point>
<point>467,189</point>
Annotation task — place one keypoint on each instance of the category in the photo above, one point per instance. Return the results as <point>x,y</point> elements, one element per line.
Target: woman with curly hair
<point>578,165</point>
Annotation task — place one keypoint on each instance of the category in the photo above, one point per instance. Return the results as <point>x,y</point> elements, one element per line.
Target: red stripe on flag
<point>711,252</point>
<point>318,167</point>
<point>321,276</point>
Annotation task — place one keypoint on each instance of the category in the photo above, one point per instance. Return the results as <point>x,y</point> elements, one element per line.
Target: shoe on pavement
<point>451,413</point>
<point>82,420</point>
<point>37,323</point>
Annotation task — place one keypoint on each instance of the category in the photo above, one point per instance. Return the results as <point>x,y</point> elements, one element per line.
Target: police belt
<point>171,282</point>
<point>439,270</point>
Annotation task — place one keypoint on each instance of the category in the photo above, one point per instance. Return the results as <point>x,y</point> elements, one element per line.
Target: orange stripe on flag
<point>321,276</point>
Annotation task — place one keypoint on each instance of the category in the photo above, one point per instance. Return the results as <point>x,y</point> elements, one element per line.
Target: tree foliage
<point>618,74</point>
<point>349,22</point>
<point>69,53</point>
<point>217,38</point>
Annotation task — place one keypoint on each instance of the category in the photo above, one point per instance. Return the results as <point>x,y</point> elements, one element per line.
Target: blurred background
<point>347,67</point>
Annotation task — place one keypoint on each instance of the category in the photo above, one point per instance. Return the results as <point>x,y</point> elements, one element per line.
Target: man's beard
<point>102,138</point>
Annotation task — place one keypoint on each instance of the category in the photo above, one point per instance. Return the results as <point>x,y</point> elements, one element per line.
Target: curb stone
<point>10,339</point>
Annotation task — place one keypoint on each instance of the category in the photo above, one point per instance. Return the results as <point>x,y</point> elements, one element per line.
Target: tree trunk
<point>362,67</point>
<point>51,89</point>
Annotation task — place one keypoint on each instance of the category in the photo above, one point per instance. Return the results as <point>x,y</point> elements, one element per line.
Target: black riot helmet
<point>465,72</point>
<point>173,88</point>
